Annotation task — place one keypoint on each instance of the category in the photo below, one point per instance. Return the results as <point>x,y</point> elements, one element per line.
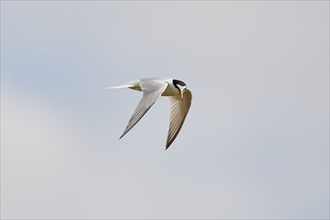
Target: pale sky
<point>255,143</point>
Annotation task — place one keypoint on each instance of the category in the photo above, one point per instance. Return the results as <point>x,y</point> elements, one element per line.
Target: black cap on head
<point>178,82</point>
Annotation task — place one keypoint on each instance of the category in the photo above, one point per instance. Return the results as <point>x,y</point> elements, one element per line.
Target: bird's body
<point>138,84</point>
<point>152,88</point>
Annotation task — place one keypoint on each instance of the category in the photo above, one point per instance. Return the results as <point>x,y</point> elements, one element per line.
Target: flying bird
<point>152,88</point>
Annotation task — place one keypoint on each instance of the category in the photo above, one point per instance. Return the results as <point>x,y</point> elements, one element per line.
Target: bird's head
<point>180,86</point>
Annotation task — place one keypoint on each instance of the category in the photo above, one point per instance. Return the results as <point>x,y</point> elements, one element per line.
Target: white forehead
<point>181,87</point>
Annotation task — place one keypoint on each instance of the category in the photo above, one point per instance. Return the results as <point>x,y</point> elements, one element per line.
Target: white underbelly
<point>170,91</point>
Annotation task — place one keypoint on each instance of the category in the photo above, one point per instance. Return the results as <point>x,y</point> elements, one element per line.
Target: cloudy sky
<point>255,143</point>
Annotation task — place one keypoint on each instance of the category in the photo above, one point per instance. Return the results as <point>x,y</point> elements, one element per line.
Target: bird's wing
<point>179,111</point>
<point>151,89</point>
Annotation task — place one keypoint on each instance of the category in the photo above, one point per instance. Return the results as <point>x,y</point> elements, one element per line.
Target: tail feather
<point>131,85</point>
<point>120,87</point>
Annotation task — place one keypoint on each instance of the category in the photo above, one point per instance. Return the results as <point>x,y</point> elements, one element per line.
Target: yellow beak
<point>181,94</point>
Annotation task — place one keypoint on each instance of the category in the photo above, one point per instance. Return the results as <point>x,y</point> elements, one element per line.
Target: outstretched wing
<point>179,111</point>
<point>151,89</point>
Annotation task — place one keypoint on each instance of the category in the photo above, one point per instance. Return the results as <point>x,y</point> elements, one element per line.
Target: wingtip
<point>121,136</point>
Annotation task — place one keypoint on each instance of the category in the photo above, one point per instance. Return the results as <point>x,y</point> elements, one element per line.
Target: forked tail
<point>126,85</point>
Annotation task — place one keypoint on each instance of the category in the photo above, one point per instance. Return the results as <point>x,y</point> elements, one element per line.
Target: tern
<point>152,88</point>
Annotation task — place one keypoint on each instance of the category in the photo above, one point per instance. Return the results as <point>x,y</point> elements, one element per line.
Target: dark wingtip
<point>124,133</point>
<point>122,136</point>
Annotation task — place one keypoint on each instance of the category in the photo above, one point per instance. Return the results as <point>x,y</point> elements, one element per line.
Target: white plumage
<point>153,88</point>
